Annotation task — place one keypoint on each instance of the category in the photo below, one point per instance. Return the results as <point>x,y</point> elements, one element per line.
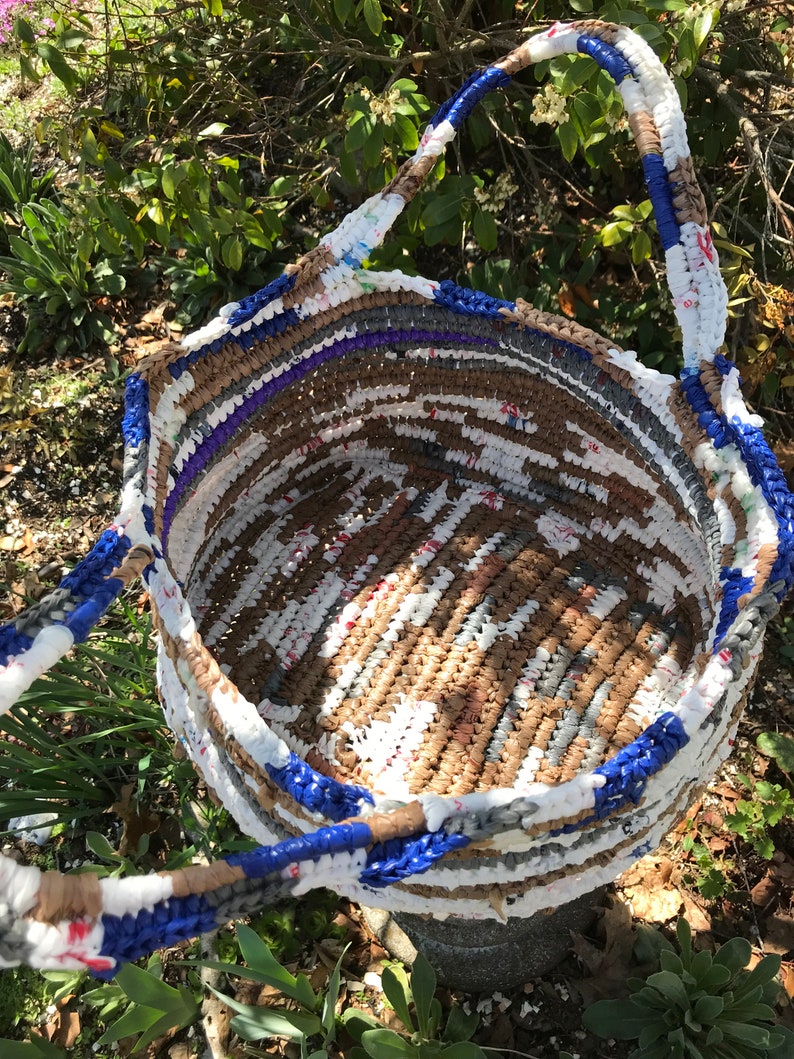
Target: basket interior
<point>441,557</point>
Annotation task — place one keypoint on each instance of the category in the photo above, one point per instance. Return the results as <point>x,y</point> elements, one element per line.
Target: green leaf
<point>398,992</point>
<point>386,1044</point>
<point>143,987</point>
<point>714,978</point>
<point>578,73</point>
<point>460,1026</point>
<point>168,182</point>
<point>258,1022</point>
<point>122,57</point>
<point>230,193</point>
<point>71,39</point>
<point>58,64</point>
<point>100,846</point>
<point>357,1022</point>
<point>440,209</point>
<point>112,284</point>
<point>615,232</point>
<point>28,69</point>
<point>373,16</point>
<point>136,1019</point>
<point>423,988</point>
<point>35,1048</point>
<point>217,128</point>
<point>758,1036</point>
<point>615,1018</point>
<point>85,245</point>
<point>702,25</point>
<point>640,247</point>
<point>253,1023</point>
<point>343,9</point>
<point>569,140</point>
<point>328,1010</point>
<point>734,954</point>
<point>24,30</point>
<point>232,253</point>
<point>763,973</point>
<point>670,986</point>
<point>260,959</point>
<point>485,230</point>
<point>462,1050</point>
<point>373,145</point>
<point>175,1019</point>
<point>650,943</point>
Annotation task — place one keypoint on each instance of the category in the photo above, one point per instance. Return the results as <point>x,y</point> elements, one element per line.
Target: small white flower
<point>549,107</point>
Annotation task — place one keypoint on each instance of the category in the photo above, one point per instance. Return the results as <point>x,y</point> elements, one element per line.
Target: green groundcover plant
<point>699,1006</point>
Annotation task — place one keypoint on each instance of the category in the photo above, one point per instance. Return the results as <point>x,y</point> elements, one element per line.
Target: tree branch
<point>751,137</point>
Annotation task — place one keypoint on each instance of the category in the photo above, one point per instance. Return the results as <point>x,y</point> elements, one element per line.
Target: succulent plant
<point>699,1006</point>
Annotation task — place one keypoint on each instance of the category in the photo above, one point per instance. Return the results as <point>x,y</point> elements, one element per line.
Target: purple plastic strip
<point>225,431</point>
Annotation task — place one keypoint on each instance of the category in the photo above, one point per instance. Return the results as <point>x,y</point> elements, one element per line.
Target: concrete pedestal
<point>485,955</point>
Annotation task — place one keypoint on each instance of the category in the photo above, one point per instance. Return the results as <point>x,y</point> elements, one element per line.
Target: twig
<point>752,141</point>
<point>753,77</point>
<point>211,1007</point>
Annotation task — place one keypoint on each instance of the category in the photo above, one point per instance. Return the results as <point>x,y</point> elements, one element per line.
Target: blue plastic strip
<point>250,306</point>
<point>342,838</point>
<point>91,589</point>
<point>318,793</point>
<point>458,107</point>
<point>91,572</point>
<point>628,772</point>
<point>761,466</point>
<point>661,195</point>
<point>12,643</point>
<point>607,57</point>
<point>135,424</point>
<point>734,585</point>
<point>392,861</point>
<point>179,918</point>
<point>256,333</point>
<point>468,302</point>
<point>128,937</point>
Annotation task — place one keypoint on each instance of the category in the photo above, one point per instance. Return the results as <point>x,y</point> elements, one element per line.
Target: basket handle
<point>654,111</point>
<point>43,633</point>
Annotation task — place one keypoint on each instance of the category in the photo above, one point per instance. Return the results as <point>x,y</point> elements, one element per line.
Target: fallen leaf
<point>778,934</point>
<point>783,868</point>
<point>765,891</point>
<point>698,920</point>
<point>11,543</point>
<point>726,791</point>
<point>68,1029</point>
<point>717,844</point>
<point>609,965</point>
<point>712,819</point>
<point>787,978</point>
<point>648,887</point>
<point>567,301</point>
<point>501,1033</point>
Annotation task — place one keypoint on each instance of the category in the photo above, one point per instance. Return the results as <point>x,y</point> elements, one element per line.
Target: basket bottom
<point>440,636</point>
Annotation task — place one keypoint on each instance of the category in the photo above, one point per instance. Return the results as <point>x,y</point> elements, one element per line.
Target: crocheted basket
<point>458,603</point>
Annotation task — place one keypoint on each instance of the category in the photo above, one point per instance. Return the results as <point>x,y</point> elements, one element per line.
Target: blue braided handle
<point>699,295</point>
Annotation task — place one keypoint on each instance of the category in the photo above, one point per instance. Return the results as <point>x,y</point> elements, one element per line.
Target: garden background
<point>159,161</point>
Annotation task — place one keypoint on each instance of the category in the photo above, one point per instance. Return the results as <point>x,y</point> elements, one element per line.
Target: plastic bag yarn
<point>457,602</point>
